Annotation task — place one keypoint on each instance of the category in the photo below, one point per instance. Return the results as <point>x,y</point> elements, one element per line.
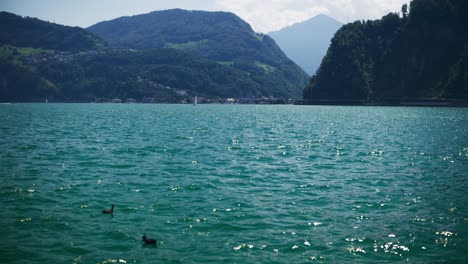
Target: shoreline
<point>422,102</point>
<point>396,103</point>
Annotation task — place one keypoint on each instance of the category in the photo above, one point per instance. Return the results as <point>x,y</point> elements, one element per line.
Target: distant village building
<point>181,92</point>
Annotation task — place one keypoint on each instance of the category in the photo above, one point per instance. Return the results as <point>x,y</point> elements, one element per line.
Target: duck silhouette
<point>109,211</point>
<point>149,241</point>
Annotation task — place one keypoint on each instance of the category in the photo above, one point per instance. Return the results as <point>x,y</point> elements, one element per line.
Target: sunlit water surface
<point>233,184</point>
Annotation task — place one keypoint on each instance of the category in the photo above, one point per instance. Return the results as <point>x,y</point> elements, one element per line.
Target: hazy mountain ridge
<point>306,43</point>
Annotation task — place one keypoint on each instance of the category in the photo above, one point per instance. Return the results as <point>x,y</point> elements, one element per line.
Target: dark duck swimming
<point>149,241</point>
<point>108,211</point>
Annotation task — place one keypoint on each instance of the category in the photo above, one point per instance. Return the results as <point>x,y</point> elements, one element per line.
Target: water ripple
<point>214,184</point>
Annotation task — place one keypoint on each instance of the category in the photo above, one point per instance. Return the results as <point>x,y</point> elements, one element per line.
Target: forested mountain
<point>32,32</point>
<point>41,60</point>
<point>218,36</point>
<point>306,43</point>
<point>421,54</point>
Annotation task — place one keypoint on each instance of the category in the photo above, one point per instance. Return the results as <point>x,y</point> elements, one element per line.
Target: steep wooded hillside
<point>421,54</point>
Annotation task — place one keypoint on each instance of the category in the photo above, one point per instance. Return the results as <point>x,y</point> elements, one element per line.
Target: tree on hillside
<point>404,10</point>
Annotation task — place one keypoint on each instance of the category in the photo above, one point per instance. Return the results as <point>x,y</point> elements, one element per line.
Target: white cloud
<point>270,15</point>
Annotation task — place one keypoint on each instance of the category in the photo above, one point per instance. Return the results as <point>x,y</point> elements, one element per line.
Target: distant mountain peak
<point>315,20</point>
<point>323,16</point>
<point>306,43</point>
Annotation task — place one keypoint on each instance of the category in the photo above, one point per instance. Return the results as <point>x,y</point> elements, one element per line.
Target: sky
<point>263,15</point>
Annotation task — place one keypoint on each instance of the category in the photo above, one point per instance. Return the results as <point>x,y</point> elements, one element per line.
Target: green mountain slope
<point>218,36</point>
<point>423,54</point>
<point>32,32</point>
<point>158,75</point>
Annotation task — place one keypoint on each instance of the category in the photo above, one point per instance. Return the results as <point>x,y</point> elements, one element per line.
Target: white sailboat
<point>195,101</point>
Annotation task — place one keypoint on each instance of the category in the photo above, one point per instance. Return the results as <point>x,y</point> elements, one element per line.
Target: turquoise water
<point>233,184</point>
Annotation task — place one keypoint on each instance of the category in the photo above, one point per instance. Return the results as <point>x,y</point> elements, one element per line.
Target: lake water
<point>233,184</point>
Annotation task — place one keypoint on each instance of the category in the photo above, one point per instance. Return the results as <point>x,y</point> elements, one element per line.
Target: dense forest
<point>159,75</point>
<point>421,53</point>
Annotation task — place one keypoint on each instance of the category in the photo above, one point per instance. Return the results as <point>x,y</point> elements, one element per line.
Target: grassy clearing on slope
<point>267,68</point>
<point>14,54</point>
<point>186,45</point>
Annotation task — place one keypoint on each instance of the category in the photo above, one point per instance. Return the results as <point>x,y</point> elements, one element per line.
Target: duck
<point>109,211</point>
<point>149,241</point>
